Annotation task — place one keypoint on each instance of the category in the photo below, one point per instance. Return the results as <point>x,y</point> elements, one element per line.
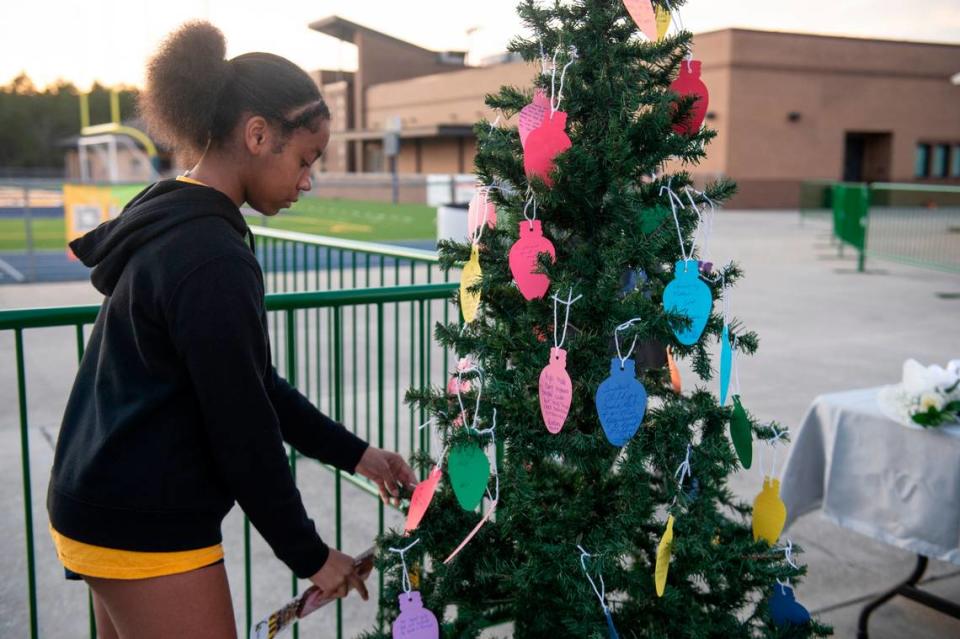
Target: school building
<point>788,107</point>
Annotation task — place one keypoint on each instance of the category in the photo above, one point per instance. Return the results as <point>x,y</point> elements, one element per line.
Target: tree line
<point>36,124</point>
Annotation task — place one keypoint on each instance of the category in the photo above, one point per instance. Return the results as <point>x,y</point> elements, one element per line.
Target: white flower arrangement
<point>927,397</point>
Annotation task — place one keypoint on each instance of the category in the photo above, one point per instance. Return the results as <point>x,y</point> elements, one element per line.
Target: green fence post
<point>27,491</point>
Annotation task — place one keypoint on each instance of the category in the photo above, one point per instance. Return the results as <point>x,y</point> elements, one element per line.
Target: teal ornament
<point>611,629</point>
<point>688,295</point>
<point>741,433</point>
<point>726,361</point>
<point>621,402</point>
<point>784,608</point>
<point>469,471</point>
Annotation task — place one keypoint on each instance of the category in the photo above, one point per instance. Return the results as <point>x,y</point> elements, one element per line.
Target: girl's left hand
<point>389,471</point>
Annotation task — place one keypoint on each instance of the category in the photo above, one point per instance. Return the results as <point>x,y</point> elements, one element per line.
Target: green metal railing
<point>912,224</point>
<point>331,359</point>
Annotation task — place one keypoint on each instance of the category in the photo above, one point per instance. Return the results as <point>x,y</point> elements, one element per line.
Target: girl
<point>176,412</point>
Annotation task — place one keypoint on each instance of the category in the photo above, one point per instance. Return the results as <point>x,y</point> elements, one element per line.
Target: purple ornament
<point>415,621</point>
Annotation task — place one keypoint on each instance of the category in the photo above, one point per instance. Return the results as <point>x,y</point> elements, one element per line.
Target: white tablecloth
<point>874,476</point>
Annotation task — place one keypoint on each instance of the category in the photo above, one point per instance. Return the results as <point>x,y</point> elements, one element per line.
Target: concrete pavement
<point>823,327</point>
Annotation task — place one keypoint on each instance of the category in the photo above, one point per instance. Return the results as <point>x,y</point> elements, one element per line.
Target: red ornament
<point>420,501</point>
<point>523,260</point>
<point>544,144</point>
<point>689,83</point>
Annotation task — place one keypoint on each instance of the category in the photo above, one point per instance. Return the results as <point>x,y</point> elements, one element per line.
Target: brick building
<point>788,107</point>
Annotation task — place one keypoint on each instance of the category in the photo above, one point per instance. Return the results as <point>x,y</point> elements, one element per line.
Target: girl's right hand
<point>338,576</point>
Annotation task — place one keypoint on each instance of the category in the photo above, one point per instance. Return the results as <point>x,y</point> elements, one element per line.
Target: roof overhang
<point>411,133</point>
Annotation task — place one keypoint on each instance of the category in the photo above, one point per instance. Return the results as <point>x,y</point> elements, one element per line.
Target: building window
<point>922,161</point>
<point>955,162</point>
<point>939,165</point>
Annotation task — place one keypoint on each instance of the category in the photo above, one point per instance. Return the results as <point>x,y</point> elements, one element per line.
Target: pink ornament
<point>556,391</point>
<point>481,210</point>
<point>524,263</point>
<point>415,621</point>
<point>643,14</point>
<point>545,143</point>
<point>420,500</point>
<point>531,116</point>
<point>455,383</point>
<point>689,83</point>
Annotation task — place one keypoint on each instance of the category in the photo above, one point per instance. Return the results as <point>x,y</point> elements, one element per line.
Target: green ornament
<point>741,433</point>
<point>652,219</point>
<point>469,472</point>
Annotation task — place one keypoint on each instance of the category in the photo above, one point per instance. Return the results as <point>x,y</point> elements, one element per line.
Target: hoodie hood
<point>154,211</point>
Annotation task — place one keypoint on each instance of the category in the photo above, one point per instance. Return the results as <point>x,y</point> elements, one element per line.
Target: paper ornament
<point>688,83</point>
<point>741,433</point>
<point>621,402</point>
<point>611,629</point>
<point>544,144</point>
<point>653,218</point>
<point>415,621</point>
<point>420,500</point>
<point>663,21</point>
<point>674,373</point>
<point>531,116</point>
<point>523,260</point>
<point>688,295</point>
<point>556,391</point>
<point>470,277</point>
<point>664,552</point>
<point>642,13</point>
<point>469,471</point>
<point>481,209</point>
<point>466,540</point>
<point>726,362</point>
<point>455,383</point>
<point>769,512</point>
<point>784,608</point>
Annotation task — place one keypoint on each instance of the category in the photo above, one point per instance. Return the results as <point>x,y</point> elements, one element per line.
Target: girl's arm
<point>311,432</point>
<point>214,317</point>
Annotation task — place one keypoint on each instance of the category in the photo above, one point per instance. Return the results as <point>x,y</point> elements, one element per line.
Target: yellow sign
<point>86,206</point>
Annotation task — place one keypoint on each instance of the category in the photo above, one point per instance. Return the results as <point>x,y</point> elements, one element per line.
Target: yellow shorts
<point>109,563</point>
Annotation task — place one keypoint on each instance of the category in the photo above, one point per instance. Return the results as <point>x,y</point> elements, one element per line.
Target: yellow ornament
<point>769,512</point>
<point>415,576</point>
<point>470,301</point>
<point>663,21</point>
<point>664,551</point>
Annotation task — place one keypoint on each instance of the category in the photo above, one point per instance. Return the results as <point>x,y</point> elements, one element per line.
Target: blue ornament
<point>621,402</point>
<point>726,360</point>
<point>784,609</point>
<point>688,295</point>
<point>610,627</point>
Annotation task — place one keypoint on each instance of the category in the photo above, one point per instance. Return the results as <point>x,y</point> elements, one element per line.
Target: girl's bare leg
<point>190,605</point>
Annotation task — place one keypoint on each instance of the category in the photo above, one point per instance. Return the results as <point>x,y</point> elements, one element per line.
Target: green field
<point>47,234</point>
<point>356,220</point>
<point>348,219</point>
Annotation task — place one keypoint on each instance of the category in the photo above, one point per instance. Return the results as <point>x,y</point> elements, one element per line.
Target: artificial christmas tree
<point>607,479</point>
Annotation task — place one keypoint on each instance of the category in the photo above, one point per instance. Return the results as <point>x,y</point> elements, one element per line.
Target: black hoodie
<point>176,411</point>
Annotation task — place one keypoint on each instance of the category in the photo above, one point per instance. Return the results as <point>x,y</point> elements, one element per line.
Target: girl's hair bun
<point>185,79</point>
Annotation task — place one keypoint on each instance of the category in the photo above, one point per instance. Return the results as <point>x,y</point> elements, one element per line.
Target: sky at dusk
<point>110,40</point>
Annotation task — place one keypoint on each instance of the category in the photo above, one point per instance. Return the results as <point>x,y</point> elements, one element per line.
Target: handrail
<point>926,188</point>
<point>45,317</point>
<point>373,248</point>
